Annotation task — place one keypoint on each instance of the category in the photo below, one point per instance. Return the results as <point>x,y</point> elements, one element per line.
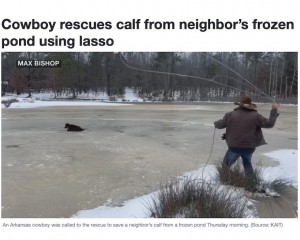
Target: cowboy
<point>243,132</point>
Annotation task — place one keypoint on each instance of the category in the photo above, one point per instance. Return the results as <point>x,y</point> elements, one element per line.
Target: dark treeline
<point>207,76</point>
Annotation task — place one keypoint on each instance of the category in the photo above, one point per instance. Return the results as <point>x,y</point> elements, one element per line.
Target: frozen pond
<point>125,152</point>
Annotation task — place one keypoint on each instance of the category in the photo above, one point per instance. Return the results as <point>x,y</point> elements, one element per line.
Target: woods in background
<point>226,75</point>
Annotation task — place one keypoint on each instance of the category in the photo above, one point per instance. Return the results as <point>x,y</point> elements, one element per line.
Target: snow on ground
<point>137,208</point>
<point>47,99</point>
<point>30,103</point>
<point>131,96</point>
<point>288,165</point>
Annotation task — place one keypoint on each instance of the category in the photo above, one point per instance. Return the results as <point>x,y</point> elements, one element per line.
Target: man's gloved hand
<point>275,105</point>
<point>223,136</point>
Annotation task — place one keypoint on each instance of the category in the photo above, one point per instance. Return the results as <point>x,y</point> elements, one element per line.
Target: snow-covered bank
<point>137,208</point>
<point>288,165</point>
<point>88,99</point>
<point>48,99</point>
<point>29,103</point>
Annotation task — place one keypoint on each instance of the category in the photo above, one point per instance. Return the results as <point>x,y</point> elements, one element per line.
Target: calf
<point>73,128</point>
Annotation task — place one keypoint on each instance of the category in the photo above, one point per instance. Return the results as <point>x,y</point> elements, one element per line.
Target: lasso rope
<point>201,78</point>
<point>250,84</point>
<point>212,80</point>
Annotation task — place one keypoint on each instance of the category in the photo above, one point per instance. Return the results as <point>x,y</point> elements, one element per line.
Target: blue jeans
<point>233,154</point>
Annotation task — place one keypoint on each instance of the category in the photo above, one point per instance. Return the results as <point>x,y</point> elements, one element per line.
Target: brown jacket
<point>243,127</point>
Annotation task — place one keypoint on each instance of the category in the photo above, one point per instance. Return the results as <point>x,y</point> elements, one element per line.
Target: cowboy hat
<point>245,102</point>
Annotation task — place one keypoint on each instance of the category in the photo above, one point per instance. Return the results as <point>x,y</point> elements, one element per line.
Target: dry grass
<point>236,177</point>
<point>190,198</point>
<point>196,199</point>
<point>280,185</point>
